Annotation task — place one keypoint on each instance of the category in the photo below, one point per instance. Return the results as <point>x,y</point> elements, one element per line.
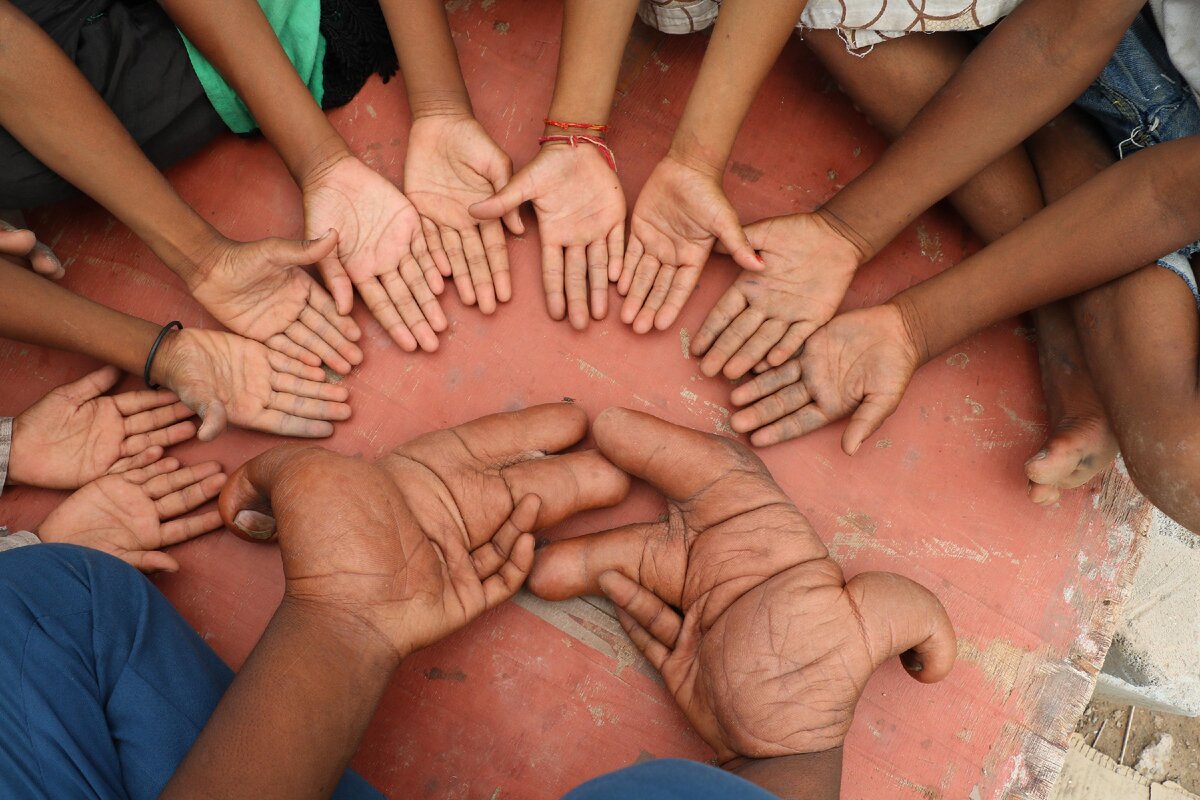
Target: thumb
<point>150,561</point>
<point>499,174</point>
<point>641,552</point>
<point>756,235</point>
<point>902,617</point>
<point>92,385</point>
<point>17,242</point>
<point>245,501</point>
<point>867,418</point>
<point>734,241</point>
<point>337,282</point>
<point>505,201</point>
<point>291,252</point>
<point>214,420</point>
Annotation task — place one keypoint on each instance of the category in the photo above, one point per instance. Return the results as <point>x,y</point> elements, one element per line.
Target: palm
<point>577,197</point>
<point>74,443</point>
<point>116,514</point>
<point>254,296</point>
<point>446,168</point>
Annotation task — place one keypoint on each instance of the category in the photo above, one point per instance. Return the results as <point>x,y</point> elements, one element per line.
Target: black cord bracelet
<point>173,325</point>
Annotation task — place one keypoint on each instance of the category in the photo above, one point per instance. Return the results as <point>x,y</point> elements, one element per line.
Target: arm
<point>812,776</point>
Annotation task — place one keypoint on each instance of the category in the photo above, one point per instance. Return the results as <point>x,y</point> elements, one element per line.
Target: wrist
<point>454,104</point>
<point>189,251</point>
<point>339,628</point>
<point>915,325</point>
<point>862,248</point>
<point>808,776</point>
<point>689,151</point>
<point>169,358</point>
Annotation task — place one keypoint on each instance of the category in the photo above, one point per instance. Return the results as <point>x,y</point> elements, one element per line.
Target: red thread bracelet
<point>575,139</point>
<point>582,126</point>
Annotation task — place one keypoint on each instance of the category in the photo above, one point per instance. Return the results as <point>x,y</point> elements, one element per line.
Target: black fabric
<point>135,58</point>
<point>357,46</point>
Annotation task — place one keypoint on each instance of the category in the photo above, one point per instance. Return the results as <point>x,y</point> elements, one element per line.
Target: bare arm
<point>813,776</point>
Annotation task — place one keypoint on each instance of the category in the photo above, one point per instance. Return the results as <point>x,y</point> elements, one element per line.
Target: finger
<point>499,172</point>
<point>161,485</point>
<point>290,384</point>
<point>901,617</point>
<point>308,407</point>
<point>133,403</point>
<point>137,461</point>
<point>16,241</point>
<point>804,421</point>
<point>190,497</point>
<point>91,386</point>
<point>730,341</point>
<point>410,310</point>
<point>423,294</point>
<point>1043,494</point>
<point>283,424</point>
<point>597,270</point>
<point>641,552</point>
<point>731,235</point>
<point>866,419</point>
<point>616,252</point>
<point>654,651</point>
<point>433,241</point>
<point>337,282</point>
<point>497,256</point>
<point>479,269</point>
<point>675,460</point>
<point>282,363</point>
<point>44,262</point>
<point>732,303</point>
<point>283,344</point>
<point>755,348</point>
<point>159,417</point>
<point>139,476</point>
<point>790,344</point>
<point>767,383</point>
<point>576,285</point>
<point>640,285</point>
<point>185,528</point>
<point>568,483</point>
<point>311,343</point>
<point>504,581</point>
<point>245,502</point>
<point>508,199</point>
<point>290,252</point>
<point>163,437</point>
<point>383,308</point>
<point>452,243</point>
<point>644,321</point>
<point>150,561</point>
<point>789,399</point>
<point>490,556</point>
<point>552,281</point>
<point>431,276</point>
<point>346,327</point>
<point>501,440</point>
<point>645,608</point>
<point>629,264</point>
<point>214,418</point>
<point>315,333</point>
<point>682,286</point>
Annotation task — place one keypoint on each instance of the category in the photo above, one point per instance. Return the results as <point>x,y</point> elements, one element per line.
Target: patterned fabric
<point>11,541</point>
<point>5,448</point>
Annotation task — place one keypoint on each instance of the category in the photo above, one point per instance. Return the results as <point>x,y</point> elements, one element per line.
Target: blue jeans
<point>104,687</point>
<point>1140,100</point>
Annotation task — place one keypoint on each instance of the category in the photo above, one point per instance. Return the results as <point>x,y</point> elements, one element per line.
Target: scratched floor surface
<point>537,697</point>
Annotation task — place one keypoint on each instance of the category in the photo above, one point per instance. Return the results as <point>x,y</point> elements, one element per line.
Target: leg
<point>891,85</point>
<point>106,686</point>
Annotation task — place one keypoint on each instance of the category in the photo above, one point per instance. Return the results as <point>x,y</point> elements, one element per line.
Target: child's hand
<point>581,219</point>
<point>76,434</point>
<point>23,244</point>
<point>680,213</point>
<point>381,251</point>
<point>451,164</point>
<point>860,363</point>
<point>769,314</point>
<point>134,515</point>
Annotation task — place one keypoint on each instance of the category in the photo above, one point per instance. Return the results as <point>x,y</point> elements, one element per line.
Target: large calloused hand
<point>773,647</point>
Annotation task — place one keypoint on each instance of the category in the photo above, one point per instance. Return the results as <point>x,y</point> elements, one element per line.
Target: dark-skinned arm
<point>421,35</point>
<point>812,776</point>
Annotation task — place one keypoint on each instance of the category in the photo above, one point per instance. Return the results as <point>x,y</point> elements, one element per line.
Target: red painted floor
<point>536,697</point>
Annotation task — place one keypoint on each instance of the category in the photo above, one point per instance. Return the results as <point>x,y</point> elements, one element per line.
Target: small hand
<point>580,209</point>
<point>768,315</point>
<point>860,363</point>
<point>227,379</point>
<point>76,433</point>
<point>451,164</point>
<point>257,289</point>
<point>381,251</point>
<point>773,647</point>
<point>134,515</point>
<point>23,244</point>
<point>679,215</point>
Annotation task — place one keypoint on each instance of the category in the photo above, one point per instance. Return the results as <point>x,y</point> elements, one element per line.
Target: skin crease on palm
<point>731,556</point>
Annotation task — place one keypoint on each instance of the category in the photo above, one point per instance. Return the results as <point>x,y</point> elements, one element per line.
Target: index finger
<point>511,437</point>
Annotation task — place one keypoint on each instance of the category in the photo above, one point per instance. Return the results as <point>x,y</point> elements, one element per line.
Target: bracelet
<point>582,126</point>
<point>173,325</point>
<point>575,139</point>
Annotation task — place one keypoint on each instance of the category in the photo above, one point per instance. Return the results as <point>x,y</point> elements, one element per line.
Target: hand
<point>451,164</point>
<point>680,213</point>
<point>134,515</point>
<point>230,380</point>
<point>767,315</point>
<point>258,290</point>
<point>76,433</point>
<point>860,362</point>
<point>446,532</point>
<point>23,244</point>
<point>773,647</point>
<point>580,209</point>
<point>381,251</point>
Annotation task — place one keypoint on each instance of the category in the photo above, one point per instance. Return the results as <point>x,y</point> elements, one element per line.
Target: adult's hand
<point>76,433</point>
<point>227,379</point>
<point>765,317</point>
<point>580,209</point>
<point>860,363</point>
<point>773,647</point>
<point>452,164</point>
<point>381,250</point>
<point>133,516</point>
<point>681,212</point>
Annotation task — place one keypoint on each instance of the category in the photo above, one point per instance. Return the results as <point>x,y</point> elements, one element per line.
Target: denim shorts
<point>1140,100</point>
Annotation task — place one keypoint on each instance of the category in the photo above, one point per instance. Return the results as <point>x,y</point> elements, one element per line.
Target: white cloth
<point>1179,23</point>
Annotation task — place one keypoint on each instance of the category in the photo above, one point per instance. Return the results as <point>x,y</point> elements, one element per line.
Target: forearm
<point>746,41</point>
<point>428,61</point>
<point>593,40</point>
<point>814,776</point>
<point>237,38</point>
<point>51,109</point>
<point>295,713</point>
<point>1127,216</point>
<point>1027,70</point>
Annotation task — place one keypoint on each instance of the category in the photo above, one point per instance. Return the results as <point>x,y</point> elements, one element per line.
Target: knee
<point>1167,471</point>
<point>51,579</point>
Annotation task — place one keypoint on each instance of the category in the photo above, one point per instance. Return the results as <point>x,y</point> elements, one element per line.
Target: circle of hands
<point>732,597</point>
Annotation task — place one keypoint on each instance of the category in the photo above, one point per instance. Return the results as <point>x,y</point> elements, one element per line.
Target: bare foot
<point>1081,442</point>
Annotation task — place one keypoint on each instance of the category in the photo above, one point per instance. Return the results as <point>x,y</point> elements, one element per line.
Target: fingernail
<point>1040,455</point>
<point>914,666</point>
<point>761,260</point>
<point>254,524</point>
